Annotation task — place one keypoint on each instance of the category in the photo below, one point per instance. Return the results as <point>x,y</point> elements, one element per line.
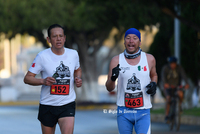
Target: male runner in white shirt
<point>59,68</point>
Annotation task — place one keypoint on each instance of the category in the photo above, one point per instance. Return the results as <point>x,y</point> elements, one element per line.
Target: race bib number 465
<point>134,100</point>
<point>61,87</point>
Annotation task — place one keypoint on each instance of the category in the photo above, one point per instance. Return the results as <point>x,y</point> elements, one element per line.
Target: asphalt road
<point>23,120</point>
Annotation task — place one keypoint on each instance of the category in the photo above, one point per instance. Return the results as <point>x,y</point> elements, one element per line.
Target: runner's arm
<point>78,73</point>
<point>110,85</point>
<point>77,77</point>
<point>152,67</point>
<point>31,80</point>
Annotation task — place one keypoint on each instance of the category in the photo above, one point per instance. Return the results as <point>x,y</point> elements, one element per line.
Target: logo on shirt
<point>140,68</point>
<point>33,65</point>
<point>124,69</point>
<point>133,83</point>
<point>127,95</point>
<point>62,71</point>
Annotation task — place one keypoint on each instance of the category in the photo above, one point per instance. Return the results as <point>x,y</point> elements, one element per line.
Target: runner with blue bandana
<point>137,78</point>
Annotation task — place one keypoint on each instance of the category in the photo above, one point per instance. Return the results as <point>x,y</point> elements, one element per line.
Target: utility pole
<point>177,32</point>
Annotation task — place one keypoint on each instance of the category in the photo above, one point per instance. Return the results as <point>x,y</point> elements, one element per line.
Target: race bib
<point>61,87</point>
<point>134,100</point>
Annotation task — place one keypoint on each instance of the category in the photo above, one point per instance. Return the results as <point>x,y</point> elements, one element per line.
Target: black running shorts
<point>49,115</point>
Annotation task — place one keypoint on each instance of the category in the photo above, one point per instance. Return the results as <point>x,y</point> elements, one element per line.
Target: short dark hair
<point>54,26</point>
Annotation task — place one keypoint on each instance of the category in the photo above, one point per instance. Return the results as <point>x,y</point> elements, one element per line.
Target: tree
<point>167,7</point>
<point>102,16</point>
<point>164,40</point>
<point>88,23</point>
<point>163,45</point>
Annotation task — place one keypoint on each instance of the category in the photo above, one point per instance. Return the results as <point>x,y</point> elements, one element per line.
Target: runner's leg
<point>48,130</point>
<point>66,125</point>
<point>143,123</point>
<point>125,126</point>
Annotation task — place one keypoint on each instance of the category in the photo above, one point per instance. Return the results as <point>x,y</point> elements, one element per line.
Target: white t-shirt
<point>132,81</point>
<point>48,64</point>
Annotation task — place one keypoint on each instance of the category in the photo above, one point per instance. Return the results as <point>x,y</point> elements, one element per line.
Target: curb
<point>19,103</point>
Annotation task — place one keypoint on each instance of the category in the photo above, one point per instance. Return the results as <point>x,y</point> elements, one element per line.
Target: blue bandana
<point>133,31</point>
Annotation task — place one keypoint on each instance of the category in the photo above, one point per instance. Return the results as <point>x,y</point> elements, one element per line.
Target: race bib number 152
<point>61,87</point>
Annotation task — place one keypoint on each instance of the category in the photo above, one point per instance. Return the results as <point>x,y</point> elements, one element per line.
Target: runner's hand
<point>78,82</point>
<point>49,81</point>
<point>115,73</point>
<point>151,88</point>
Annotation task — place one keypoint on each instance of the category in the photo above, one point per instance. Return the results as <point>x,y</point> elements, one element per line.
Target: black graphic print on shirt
<point>133,83</point>
<point>62,85</point>
<point>62,71</point>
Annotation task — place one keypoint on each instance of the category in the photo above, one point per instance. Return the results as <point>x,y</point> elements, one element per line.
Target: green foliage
<point>190,50</point>
<point>75,15</point>
<point>160,48</point>
<point>192,111</point>
<point>158,111</point>
<point>190,42</point>
<point>88,20</point>
<point>28,16</point>
<point>163,45</point>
